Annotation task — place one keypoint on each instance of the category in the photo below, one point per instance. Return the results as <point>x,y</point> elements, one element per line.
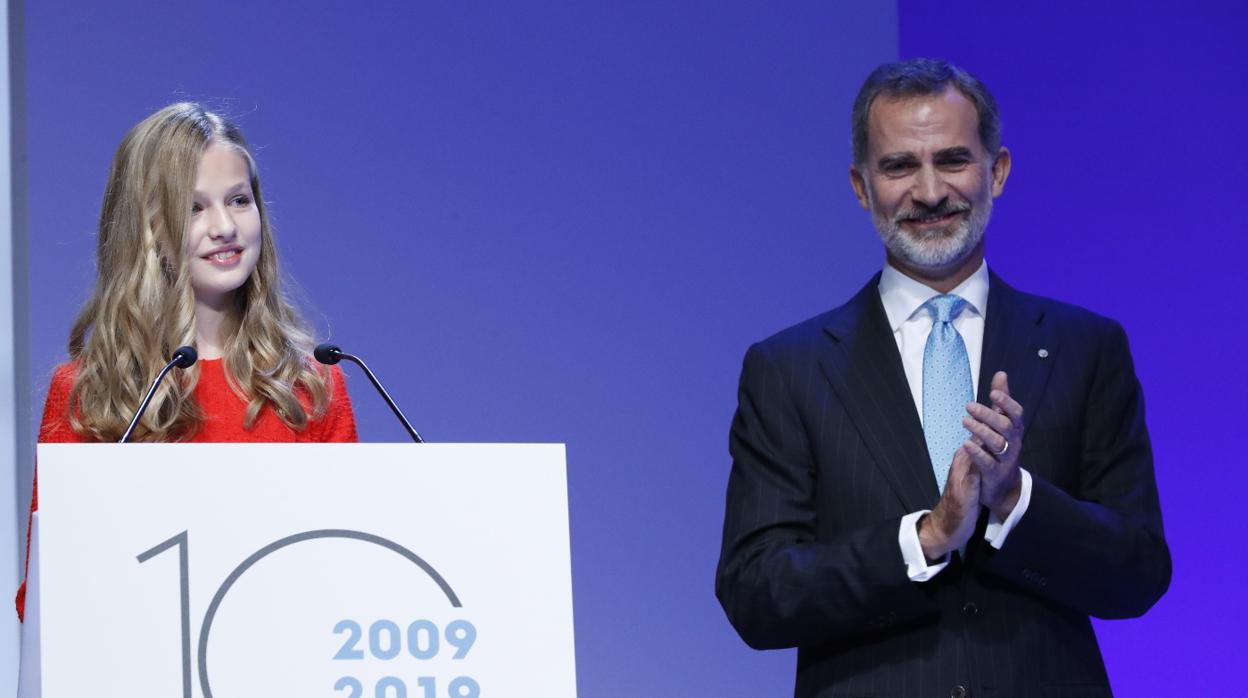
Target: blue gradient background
<point>566,221</point>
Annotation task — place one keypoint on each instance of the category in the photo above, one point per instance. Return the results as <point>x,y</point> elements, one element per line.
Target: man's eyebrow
<point>959,151</point>
<point>895,159</point>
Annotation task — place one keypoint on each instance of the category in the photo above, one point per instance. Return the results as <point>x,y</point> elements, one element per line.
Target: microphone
<point>183,357</point>
<point>330,354</point>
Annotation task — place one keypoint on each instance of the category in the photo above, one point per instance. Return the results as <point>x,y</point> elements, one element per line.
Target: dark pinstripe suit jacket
<point>828,455</point>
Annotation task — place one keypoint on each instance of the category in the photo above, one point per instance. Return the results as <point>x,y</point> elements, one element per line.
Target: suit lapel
<point>1017,341</point>
<point>865,370</point>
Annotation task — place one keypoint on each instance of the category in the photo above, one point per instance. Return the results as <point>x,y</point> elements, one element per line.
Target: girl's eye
<point>196,208</point>
<point>241,201</point>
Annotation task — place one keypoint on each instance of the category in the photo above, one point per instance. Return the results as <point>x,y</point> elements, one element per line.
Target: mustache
<point>921,211</point>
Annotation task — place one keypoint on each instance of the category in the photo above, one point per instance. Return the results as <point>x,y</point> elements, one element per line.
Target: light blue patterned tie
<point>946,385</point>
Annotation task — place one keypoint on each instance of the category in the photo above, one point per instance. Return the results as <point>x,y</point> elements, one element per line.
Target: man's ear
<point>859,184</point>
<point>1000,171</point>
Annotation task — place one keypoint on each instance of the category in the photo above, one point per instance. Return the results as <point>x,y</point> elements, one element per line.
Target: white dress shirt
<point>903,299</point>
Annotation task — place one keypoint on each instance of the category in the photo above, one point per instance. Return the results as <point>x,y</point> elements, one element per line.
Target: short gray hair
<point>919,77</point>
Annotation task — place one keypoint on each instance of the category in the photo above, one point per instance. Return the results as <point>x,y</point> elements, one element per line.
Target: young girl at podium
<point>186,256</point>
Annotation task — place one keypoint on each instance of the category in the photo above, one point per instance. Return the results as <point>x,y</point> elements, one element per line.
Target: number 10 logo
<point>385,638</point>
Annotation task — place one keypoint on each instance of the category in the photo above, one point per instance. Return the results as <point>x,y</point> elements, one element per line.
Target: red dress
<point>223,422</point>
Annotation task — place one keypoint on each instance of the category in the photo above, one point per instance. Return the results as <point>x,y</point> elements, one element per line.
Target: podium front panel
<point>337,570</point>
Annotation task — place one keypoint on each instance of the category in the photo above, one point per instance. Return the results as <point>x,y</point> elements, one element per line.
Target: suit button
<point>970,610</point>
<point>959,691</point>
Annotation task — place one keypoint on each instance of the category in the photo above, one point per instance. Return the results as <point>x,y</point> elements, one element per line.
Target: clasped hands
<point>984,472</point>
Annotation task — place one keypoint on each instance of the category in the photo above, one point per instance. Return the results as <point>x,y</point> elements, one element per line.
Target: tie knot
<point>945,308</point>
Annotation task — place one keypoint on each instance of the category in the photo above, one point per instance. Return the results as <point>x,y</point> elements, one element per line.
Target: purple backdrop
<point>567,223</point>
<point>1124,127</point>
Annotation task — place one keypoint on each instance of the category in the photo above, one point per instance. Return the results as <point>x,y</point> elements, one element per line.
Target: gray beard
<point>938,249</point>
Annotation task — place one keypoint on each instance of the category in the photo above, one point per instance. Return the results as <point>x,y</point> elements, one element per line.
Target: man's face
<point>928,181</point>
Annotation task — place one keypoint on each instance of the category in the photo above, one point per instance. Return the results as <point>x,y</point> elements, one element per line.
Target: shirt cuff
<point>998,530</point>
<point>917,568</point>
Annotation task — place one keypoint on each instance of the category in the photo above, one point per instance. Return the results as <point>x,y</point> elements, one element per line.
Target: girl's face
<point>223,242</point>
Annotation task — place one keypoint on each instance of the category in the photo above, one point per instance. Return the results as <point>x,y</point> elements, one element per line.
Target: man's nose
<point>929,187</point>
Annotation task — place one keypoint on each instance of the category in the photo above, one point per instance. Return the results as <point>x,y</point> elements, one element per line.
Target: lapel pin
<point>1043,353</point>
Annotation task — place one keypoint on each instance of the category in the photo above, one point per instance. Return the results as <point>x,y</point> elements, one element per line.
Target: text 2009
<point>422,640</point>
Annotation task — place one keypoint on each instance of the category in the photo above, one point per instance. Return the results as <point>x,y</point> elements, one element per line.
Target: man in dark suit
<point>909,539</point>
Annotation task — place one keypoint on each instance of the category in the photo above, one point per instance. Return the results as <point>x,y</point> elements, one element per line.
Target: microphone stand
<point>183,357</point>
<point>330,354</point>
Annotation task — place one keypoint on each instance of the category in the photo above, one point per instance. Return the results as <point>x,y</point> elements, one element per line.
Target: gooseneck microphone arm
<point>183,357</point>
<point>330,354</point>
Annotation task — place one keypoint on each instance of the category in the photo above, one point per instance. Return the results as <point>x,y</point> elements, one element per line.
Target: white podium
<point>337,570</point>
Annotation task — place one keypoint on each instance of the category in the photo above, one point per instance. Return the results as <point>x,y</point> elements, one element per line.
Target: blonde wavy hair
<point>143,307</point>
